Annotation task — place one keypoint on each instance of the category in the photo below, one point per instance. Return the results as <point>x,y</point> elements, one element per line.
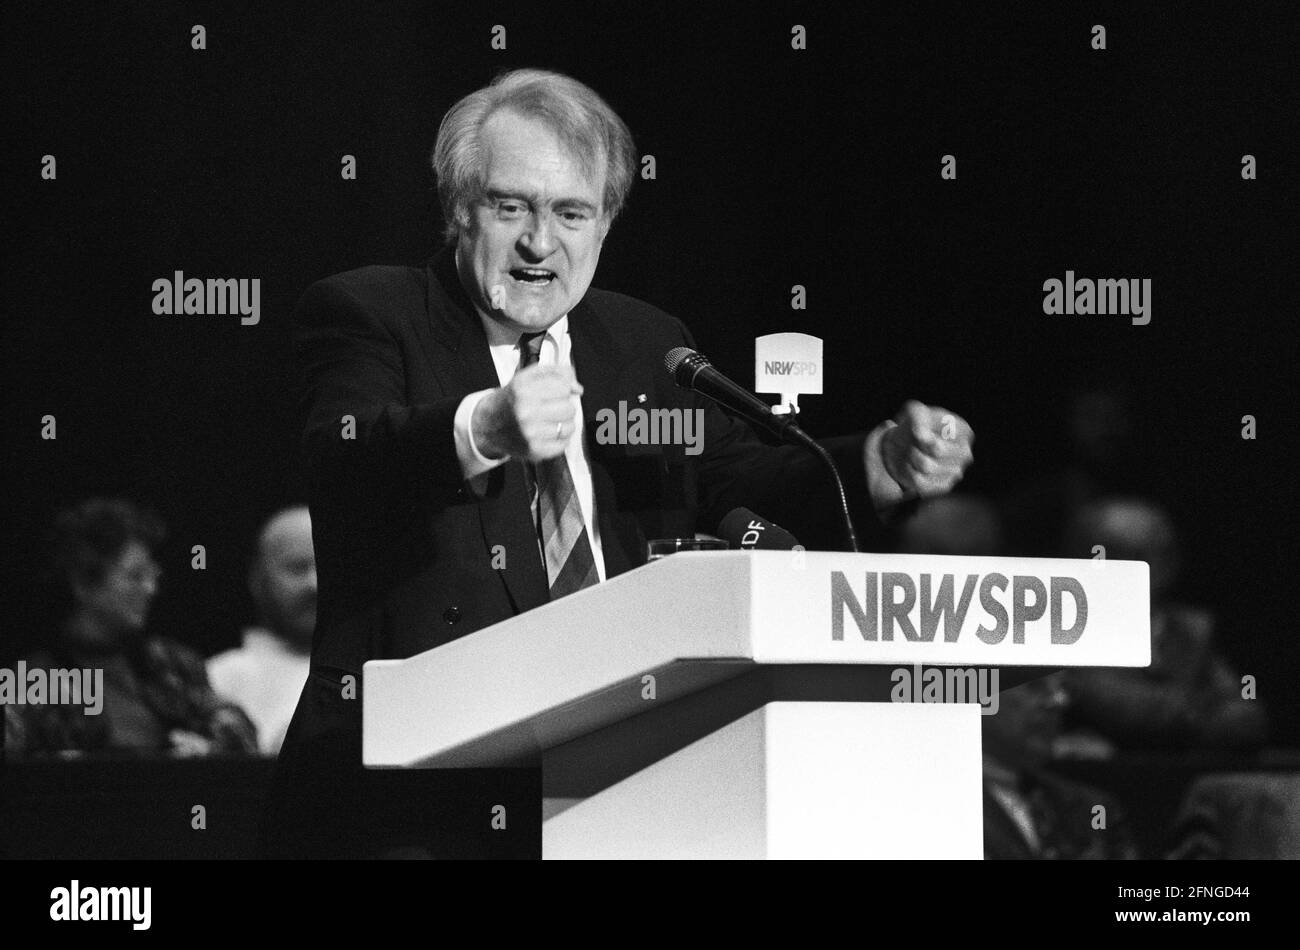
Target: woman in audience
<point>156,697</point>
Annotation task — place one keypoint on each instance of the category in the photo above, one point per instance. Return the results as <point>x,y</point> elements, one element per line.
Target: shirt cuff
<point>885,492</point>
<point>472,461</point>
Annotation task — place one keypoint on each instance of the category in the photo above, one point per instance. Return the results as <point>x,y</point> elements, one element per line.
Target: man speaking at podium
<point>455,475</point>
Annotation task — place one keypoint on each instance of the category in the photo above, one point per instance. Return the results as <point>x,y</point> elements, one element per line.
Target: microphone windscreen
<point>675,357</point>
<point>746,531</point>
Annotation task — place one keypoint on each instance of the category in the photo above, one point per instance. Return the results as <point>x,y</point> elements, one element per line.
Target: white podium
<point>745,704</point>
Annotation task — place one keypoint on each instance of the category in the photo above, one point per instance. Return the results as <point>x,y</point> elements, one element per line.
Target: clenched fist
<point>531,417</point>
<point>927,450</point>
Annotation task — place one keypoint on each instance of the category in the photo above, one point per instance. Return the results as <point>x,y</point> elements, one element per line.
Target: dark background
<point>775,167</point>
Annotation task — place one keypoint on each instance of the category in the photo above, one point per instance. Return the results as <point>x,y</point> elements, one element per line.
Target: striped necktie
<point>570,565</point>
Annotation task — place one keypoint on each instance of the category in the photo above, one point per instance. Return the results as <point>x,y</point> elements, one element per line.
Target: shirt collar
<point>499,335</point>
<point>999,773</point>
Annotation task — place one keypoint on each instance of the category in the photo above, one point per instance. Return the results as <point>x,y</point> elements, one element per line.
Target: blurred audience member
<point>156,697</point>
<point>1030,813</point>
<point>1189,697</point>
<point>1100,460</point>
<point>266,675</point>
<point>1246,816</point>
<point>952,524</point>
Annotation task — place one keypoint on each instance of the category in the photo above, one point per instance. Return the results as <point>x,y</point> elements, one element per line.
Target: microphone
<point>746,531</point>
<point>692,370</point>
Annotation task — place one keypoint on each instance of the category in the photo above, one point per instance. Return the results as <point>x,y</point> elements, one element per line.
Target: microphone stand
<point>793,433</point>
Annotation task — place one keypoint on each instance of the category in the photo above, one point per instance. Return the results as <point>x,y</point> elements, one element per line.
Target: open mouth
<point>532,275</point>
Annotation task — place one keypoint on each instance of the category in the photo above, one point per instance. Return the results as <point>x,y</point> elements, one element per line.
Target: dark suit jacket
<point>404,548</point>
<point>1062,812</point>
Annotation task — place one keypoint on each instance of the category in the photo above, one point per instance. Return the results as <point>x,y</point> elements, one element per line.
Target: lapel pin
<point>640,397</point>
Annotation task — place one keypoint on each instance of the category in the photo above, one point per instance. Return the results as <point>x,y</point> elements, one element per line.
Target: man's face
<point>530,248</point>
<point>284,583</point>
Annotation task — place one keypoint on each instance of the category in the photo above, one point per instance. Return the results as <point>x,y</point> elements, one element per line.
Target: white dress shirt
<point>1002,783</point>
<point>557,350</point>
<point>265,678</point>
